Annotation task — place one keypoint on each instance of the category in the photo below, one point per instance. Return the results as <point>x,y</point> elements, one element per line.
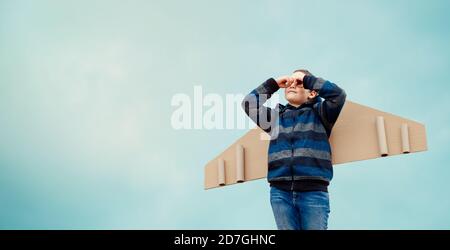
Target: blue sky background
<point>85,91</point>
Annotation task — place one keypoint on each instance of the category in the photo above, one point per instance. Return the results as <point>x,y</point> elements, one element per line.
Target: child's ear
<point>312,94</point>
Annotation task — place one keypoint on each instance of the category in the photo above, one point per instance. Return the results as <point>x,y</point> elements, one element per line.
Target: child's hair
<point>306,72</point>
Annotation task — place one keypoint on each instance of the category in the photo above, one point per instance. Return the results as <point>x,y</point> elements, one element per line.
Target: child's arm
<point>334,98</point>
<point>253,102</point>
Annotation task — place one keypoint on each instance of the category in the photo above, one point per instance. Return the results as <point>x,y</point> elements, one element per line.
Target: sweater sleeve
<point>334,98</point>
<point>253,104</point>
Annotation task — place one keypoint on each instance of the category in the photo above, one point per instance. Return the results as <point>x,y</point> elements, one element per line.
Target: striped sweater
<point>299,151</point>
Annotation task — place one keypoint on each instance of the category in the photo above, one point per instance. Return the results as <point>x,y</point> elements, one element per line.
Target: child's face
<point>296,95</point>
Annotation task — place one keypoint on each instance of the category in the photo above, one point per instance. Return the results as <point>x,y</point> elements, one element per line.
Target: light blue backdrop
<point>85,91</point>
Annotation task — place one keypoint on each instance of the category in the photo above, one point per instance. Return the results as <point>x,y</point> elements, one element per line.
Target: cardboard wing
<point>360,133</point>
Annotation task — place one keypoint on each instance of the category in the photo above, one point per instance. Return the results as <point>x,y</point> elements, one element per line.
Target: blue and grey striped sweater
<point>299,150</point>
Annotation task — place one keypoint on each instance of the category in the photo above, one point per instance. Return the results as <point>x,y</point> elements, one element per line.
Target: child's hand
<point>285,81</point>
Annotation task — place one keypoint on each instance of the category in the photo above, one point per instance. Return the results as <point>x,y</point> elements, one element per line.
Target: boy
<point>299,163</point>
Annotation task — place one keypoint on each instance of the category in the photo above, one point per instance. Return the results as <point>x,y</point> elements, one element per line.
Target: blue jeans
<point>300,210</point>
